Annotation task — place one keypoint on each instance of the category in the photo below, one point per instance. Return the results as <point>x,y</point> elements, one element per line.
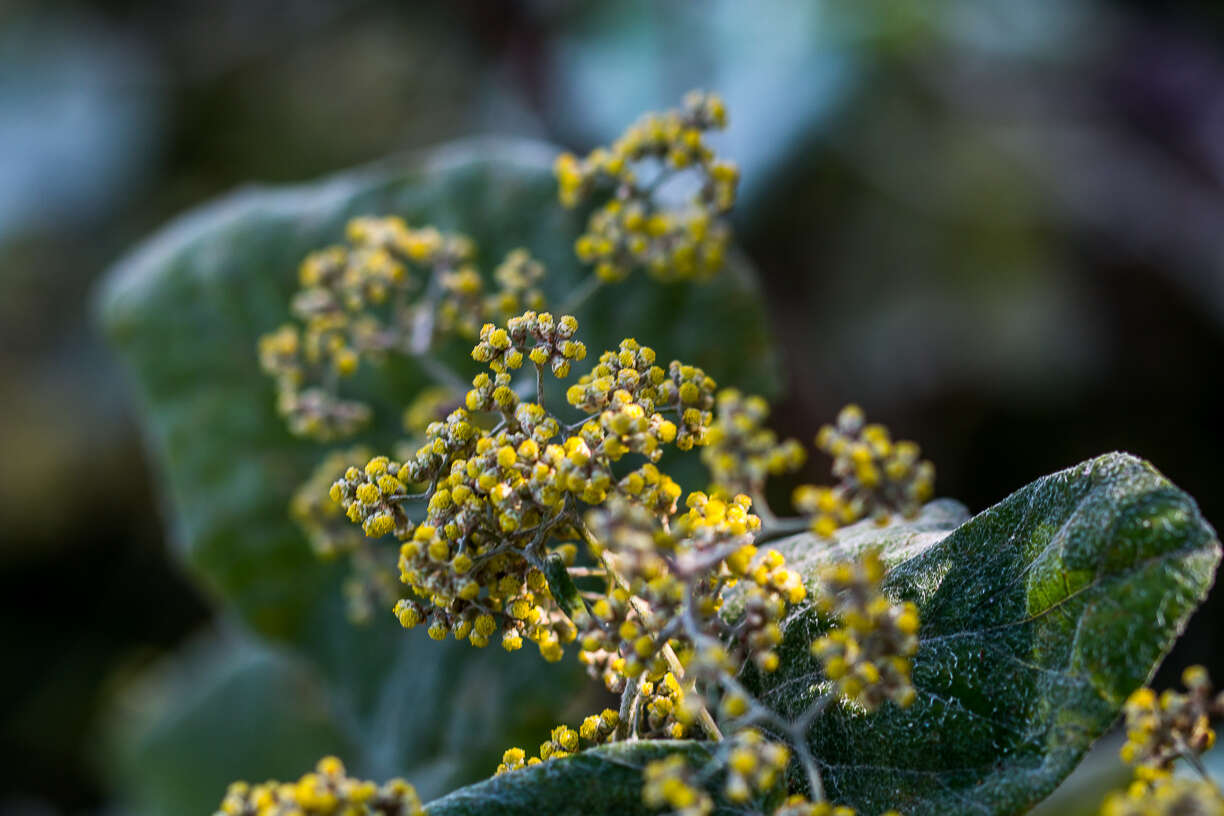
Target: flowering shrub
<point>875,651</point>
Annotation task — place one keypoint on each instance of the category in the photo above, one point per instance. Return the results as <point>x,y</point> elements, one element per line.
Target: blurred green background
<point>997,225</point>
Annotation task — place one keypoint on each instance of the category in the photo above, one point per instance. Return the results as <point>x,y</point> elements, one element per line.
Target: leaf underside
<point>604,781</point>
<point>1039,616</point>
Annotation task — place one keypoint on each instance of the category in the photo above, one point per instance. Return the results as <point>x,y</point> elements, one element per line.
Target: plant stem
<point>781,528</point>
<point>579,296</point>
<point>628,698</point>
<point>407,497</point>
<point>795,731</point>
<point>815,783</point>
<point>669,654</point>
<point>586,572</point>
<point>1197,764</point>
<point>761,506</point>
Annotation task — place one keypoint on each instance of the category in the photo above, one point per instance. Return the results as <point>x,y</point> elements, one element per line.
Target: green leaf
<point>604,781</point>
<point>562,586</point>
<point>1039,616</point>
<point>185,310</point>
<point>207,716</point>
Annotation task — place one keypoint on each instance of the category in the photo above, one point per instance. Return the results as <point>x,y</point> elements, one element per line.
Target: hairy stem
<point>795,732</point>
<point>781,528</point>
<point>586,572</point>
<point>761,506</point>
<point>669,654</point>
<point>628,697</point>
<point>1196,763</point>
<point>815,783</point>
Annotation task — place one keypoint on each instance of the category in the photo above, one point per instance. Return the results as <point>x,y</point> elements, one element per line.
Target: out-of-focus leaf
<point>784,69</point>
<point>185,311</point>
<point>206,717</point>
<point>1039,616</point>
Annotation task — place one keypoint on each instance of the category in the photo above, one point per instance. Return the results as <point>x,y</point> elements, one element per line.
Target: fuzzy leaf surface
<point>1040,616</point>
<point>603,781</point>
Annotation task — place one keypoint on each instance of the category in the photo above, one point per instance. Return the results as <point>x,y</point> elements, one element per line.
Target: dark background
<point>997,225</point>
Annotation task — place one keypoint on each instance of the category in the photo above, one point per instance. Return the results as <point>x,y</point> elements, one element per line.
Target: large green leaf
<point>1039,616</point>
<point>208,715</point>
<point>604,781</point>
<point>185,310</point>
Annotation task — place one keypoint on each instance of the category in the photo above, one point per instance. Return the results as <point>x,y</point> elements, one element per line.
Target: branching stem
<point>794,731</point>
<point>669,654</point>
<point>628,697</point>
<point>1196,763</point>
<point>761,505</point>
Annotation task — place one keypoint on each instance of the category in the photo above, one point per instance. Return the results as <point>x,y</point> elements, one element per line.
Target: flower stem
<point>669,654</point>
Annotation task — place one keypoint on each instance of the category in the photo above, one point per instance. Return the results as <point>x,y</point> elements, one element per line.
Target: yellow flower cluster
<point>740,452</point>
<point>373,582</point>
<point>487,502</point>
<point>714,528</point>
<point>679,573</point>
<point>759,629</point>
<point>476,585</point>
<point>692,392</point>
<point>428,406</point>
<point>328,791</point>
<point>798,805</point>
<point>518,278</point>
<point>631,392</point>
<point>666,713</point>
<point>827,508</point>
<point>464,303</point>
<point>361,301</point>
<point>495,498</point>
<point>599,728</point>
<point>1166,797</point>
<point>631,368</point>
<point>616,643</point>
<point>714,525</point>
<point>1162,728</point>
<point>755,765</point>
<point>670,783</point>
<point>650,221</point>
<point>323,520</point>
<point>373,497</point>
<point>755,768</point>
<point>563,741</point>
<point>530,336</point>
<point>876,476</point>
<point>491,393</point>
<point>867,656</point>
